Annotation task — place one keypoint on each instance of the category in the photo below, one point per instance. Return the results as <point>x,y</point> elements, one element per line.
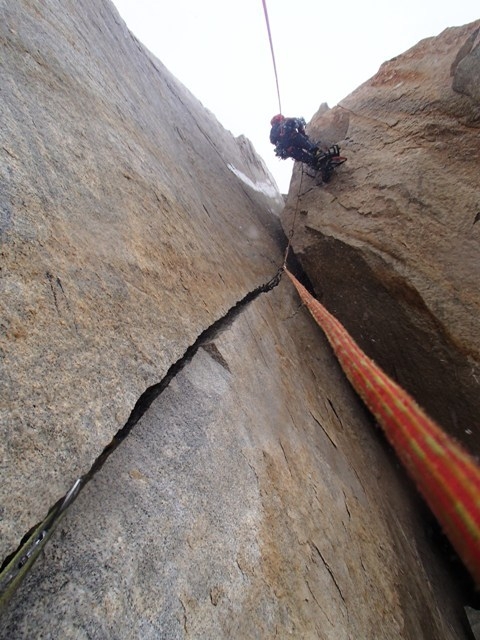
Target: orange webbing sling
<point>445,474</point>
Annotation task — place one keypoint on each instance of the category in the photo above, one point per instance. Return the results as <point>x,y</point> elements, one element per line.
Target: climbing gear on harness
<point>323,162</point>
<point>326,161</point>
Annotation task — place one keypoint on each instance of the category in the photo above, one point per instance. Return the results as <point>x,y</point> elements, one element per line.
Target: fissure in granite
<point>35,536</point>
<point>300,478</point>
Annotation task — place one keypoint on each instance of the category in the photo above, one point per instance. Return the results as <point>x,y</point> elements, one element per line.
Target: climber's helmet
<point>277,119</point>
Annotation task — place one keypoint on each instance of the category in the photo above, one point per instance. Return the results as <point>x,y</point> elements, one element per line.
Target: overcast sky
<point>219,49</point>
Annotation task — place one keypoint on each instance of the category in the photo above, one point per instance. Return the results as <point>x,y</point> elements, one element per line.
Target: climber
<point>290,140</point>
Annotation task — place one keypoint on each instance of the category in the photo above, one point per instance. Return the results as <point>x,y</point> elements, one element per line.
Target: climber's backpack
<point>276,133</point>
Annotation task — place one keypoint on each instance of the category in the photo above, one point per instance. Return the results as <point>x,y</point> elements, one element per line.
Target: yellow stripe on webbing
<point>446,475</point>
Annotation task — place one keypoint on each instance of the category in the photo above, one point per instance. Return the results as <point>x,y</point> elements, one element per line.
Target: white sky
<point>324,50</point>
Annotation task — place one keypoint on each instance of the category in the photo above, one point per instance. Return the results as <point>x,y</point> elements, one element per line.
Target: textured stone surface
<point>392,243</point>
<point>253,500</point>
<point>466,68</point>
<point>130,220</point>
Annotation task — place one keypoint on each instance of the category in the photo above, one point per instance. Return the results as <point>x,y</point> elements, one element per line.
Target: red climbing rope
<point>273,53</point>
<point>445,474</point>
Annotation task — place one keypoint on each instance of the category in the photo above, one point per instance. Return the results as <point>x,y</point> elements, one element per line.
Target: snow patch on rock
<point>270,189</point>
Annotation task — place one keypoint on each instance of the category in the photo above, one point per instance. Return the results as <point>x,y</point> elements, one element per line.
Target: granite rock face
<point>130,220</point>
<point>392,242</point>
<point>255,498</point>
<point>240,507</point>
<point>466,68</point>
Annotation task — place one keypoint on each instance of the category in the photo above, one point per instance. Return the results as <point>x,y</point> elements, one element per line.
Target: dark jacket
<point>282,132</point>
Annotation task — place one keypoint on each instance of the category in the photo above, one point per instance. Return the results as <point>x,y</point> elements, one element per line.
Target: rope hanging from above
<point>273,54</point>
